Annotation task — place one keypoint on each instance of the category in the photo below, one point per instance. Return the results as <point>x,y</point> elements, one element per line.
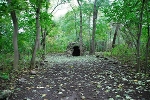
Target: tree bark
<point>115,35</point>
<point>15,40</point>
<point>80,34</point>
<point>148,40</point>
<point>15,36</point>
<point>37,38</point>
<point>147,49</point>
<point>1,42</point>
<point>139,37</point>
<point>44,34</point>
<point>43,41</point>
<point>38,41</point>
<point>89,33</point>
<point>95,12</point>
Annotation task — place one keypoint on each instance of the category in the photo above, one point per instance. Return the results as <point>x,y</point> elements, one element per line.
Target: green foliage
<point>5,34</point>
<point>25,11</point>
<point>66,30</point>
<point>102,29</point>
<point>131,14</point>
<point>6,61</point>
<point>124,54</point>
<point>87,8</point>
<point>106,54</point>
<point>59,42</point>
<point>46,20</point>
<point>3,7</point>
<point>4,76</point>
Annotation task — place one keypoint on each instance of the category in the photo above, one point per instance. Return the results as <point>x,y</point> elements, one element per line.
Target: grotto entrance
<point>76,51</point>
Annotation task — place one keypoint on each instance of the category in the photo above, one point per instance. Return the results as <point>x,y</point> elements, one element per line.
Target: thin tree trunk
<point>95,12</point>
<point>1,42</point>
<point>38,42</point>
<point>15,36</point>
<point>15,40</point>
<point>115,35</point>
<point>44,34</point>
<point>139,37</point>
<point>133,38</point>
<point>147,49</point>
<point>89,33</point>
<point>80,34</point>
<point>37,38</point>
<point>148,41</point>
<point>44,40</point>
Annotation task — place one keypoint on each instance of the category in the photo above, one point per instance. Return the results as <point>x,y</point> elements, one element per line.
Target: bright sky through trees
<point>62,9</point>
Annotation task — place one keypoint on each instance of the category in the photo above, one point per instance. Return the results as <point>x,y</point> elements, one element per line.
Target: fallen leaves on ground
<point>82,78</point>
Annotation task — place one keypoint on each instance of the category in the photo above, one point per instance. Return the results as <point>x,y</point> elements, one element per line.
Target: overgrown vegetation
<point>124,54</point>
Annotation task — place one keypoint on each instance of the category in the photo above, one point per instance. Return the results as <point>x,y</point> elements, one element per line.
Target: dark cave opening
<point>76,51</point>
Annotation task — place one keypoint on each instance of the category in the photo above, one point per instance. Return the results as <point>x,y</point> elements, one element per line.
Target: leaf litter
<point>82,78</point>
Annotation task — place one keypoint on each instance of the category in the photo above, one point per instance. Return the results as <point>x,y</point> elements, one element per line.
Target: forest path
<point>81,78</point>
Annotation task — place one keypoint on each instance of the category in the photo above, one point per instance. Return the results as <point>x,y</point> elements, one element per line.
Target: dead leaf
<point>43,95</point>
<point>40,87</point>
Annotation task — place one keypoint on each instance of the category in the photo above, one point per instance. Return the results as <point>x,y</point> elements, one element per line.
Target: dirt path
<point>81,78</point>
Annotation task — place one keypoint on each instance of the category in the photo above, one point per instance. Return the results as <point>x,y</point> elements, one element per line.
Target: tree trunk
<point>15,40</point>
<point>95,12</point>
<point>89,33</point>
<point>1,42</point>
<point>37,38</point>
<point>43,41</point>
<point>139,37</point>
<point>80,34</point>
<point>44,34</point>
<point>115,35</point>
<point>148,41</point>
<point>15,36</point>
<point>38,42</point>
<point>147,49</point>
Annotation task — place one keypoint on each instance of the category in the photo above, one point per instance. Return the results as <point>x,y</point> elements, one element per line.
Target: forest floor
<point>81,78</point>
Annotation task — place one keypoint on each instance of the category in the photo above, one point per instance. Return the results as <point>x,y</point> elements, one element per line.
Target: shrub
<point>124,54</point>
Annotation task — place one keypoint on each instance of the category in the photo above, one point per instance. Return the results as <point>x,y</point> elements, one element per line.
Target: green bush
<point>124,54</point>
<point>4,76</point>
<point>6,62</point>
<point>106,54</point>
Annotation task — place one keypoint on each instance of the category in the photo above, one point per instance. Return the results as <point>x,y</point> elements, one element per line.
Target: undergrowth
<point>125,54</point>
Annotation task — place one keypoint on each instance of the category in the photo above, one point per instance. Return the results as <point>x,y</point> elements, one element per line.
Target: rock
<point>71,49</point>
<point>42,63</point>
<point>22,80</point>
<point>33,72</point>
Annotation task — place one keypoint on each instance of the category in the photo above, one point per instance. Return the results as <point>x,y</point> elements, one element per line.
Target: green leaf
<point>4,76</point>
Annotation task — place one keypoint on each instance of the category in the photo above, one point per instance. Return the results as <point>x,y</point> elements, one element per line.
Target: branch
<point>62,2</point>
